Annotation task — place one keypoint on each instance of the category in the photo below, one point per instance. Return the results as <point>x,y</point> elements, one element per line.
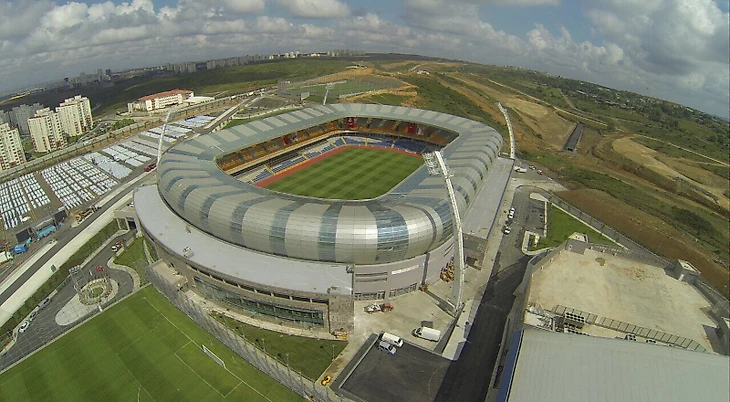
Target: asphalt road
<point>467,379</point>
<point>44,328</point>
<point>63,236</point>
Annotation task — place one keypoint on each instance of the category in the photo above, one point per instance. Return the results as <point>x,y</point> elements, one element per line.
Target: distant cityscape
<point>104,77</point>
<point>50,129</point>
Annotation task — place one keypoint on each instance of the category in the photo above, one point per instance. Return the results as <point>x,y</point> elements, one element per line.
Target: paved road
<point>44,328</point>
<point>64,235</point>
<point>467,379</point>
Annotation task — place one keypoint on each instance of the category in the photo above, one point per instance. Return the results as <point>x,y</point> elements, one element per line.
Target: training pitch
<point>350,174</point>
<point>142,349</point>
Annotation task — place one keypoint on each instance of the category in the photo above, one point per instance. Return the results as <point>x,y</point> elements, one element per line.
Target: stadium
<point>296,216</point>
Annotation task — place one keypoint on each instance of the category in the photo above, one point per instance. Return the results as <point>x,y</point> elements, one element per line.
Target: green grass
<point>346,86</point>
<point>61,275</point>
<point>142,349</point>
<point>387,99</point>
<point>134,257</point>
<point>309,356</point>
<point>353,174</point>
<point>561,226</point>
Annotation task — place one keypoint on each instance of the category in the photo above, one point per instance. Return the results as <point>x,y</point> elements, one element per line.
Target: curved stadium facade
<point>302,259</point>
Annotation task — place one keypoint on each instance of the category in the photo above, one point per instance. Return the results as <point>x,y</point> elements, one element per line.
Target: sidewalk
<point>26,290</point>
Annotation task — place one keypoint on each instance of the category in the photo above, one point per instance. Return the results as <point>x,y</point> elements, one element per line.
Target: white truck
<point>394,340</point>
<point>427,333</point>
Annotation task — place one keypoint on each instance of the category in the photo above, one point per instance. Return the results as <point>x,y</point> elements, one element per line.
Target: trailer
<point>46,231</point>
<point>5,256</point>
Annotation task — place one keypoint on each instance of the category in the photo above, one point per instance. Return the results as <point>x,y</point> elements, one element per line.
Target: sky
<point>671,49</point>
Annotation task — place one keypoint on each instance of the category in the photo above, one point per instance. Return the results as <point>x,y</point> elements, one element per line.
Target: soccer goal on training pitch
<point>214,356</point>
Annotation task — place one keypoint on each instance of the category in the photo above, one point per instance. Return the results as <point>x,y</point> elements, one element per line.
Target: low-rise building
<point>11,148</point>
<point>611,324</point>
<point>160,100</point>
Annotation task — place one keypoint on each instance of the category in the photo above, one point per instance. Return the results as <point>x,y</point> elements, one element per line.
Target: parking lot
<point>411,374</point>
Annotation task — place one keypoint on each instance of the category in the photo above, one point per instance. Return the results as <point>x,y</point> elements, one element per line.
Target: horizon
<point>668,49</point>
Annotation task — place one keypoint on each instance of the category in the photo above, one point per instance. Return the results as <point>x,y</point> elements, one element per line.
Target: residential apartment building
<point>20,114</point>
<point>160,100</point>
<point>46,131</point>
<point>75,116</point>
<point>11,148</point>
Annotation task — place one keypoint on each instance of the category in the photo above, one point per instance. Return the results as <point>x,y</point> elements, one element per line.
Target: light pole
<point>437,166</point>
<point>263,342</point>
<point>333,352</point>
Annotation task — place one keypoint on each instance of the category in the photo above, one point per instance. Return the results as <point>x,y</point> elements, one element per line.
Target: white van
<point>427,333</point>
<point>386,347</point>
<point>394,340</point>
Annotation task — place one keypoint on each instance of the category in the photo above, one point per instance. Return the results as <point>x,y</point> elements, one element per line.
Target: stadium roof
<point>547,366</point>
<point>412,219</point>
<point>174,234</point>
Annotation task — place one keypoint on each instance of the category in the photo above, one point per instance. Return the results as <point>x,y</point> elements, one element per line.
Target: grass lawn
<point>309,356</point>
<point>353,174</point>
<point>562,225</point>
<point>134,257</point>
<point>387,99</point>
<point>142,349</point>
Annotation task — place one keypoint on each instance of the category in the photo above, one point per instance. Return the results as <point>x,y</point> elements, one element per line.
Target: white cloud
<point>674,49</point>
<point>316,8</point>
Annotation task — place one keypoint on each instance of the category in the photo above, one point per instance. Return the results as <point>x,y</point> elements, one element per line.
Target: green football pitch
<point>352,174</point>
<point>142,349</point>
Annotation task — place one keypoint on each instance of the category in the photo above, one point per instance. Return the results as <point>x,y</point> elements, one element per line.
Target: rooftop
<point>166,93</point>
<point>176,234</point>
<point>622,289</point>
<point>564,367</point>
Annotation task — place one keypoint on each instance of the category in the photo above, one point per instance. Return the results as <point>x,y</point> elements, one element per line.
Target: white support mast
<point>162,136</point>
<point>329,86</point>
<point>437,166</point>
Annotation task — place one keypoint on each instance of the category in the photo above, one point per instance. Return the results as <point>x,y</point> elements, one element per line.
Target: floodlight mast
<point>437,166</point>
<point>329,86</point>
<point>162,136</point>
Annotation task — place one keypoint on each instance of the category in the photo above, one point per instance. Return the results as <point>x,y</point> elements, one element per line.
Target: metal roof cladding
<point>410,220</point>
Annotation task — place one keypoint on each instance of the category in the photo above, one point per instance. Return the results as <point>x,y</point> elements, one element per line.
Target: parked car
<point>150,167</point>
<point>386,347</point>
<point>44,302</point>
<point>24,326</point>
<point>507,230</point>
<point>32,316</point>
<point>117,245</point>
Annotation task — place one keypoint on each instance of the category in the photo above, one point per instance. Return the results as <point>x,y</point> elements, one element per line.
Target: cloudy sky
<point>672,49</point>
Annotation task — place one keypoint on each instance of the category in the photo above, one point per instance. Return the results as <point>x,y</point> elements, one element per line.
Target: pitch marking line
<point>196,373</point>
<point>191,340</point>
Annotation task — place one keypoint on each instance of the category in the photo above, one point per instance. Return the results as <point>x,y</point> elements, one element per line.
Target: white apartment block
<point>11,148</point>
<point>75,115</point>
<point>46,131</point>
<point>160,100</point>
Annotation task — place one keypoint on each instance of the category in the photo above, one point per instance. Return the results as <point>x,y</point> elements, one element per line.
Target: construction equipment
<point>81,215</point>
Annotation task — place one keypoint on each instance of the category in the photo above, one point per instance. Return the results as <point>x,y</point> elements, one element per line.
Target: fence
<point>270,366</point>
<point>634,250</point>
<point>610,232</point>
<point>628,328</point>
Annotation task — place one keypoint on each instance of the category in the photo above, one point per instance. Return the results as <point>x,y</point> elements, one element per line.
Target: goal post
<point>214,356</point>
